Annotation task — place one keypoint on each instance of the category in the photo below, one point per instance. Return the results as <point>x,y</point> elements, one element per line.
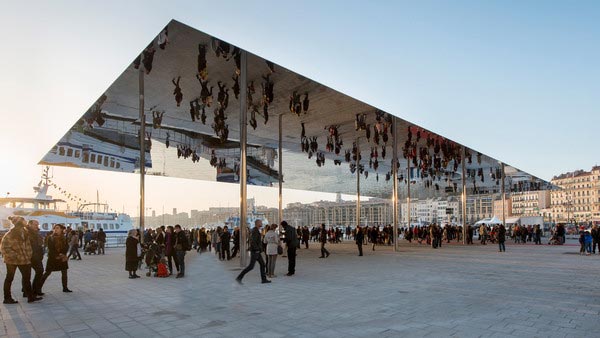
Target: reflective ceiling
<point>191,88</point>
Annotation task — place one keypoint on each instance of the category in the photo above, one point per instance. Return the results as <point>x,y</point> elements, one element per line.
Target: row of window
<point>107,161</point>
<point>104,226</point>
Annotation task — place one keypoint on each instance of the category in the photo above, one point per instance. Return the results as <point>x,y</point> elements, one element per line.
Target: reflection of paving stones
<point>475,291</point>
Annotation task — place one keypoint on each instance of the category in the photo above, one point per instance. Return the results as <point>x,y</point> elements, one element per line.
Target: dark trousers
<point>170,259</point>
<point>100,247</point>
<point>25,279</point>
<point>64,279</point>
<point>254,257</point>
<point>324,251</point>
<point>225,252</point>
<point>235,250</point>
<point>501,246</point>
<point>594,243</point>
<point>74,252</point>
<point>291,256</point>
<point>180,260</point>
<point>38,267</point>
<point>359,248</point>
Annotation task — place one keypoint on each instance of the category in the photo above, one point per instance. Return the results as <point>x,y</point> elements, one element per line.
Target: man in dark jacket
<point>359,238</point>
<point>101,241</point>
<point>181,246</point>
<point>225,239</point>
<point>37,256</point>
<point>256,247</point>
<point>291,240</point>
<point>324,252</point>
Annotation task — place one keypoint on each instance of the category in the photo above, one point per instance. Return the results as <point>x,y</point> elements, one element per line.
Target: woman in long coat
<point>132,251</point>
<point>57,256</point>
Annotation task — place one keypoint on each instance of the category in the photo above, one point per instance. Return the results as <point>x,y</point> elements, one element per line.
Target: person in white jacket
<point>272,240</point>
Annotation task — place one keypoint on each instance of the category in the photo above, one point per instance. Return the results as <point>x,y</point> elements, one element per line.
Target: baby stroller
<point>153,254</point>
<point>91,248</point>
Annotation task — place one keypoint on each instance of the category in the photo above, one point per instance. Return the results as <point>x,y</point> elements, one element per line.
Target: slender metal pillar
<point>464,196</point>
<point>395,179</point>
<point>142,153</point>
<point>408,191</point>
<point>243,169</point>
<point>280,176</point>
<point>357,183</point>
<point>503,199</point>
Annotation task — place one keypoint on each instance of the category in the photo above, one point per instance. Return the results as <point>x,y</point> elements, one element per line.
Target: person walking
<point>501,234</point>
<point>359,238</point>
<point>17,253</point>
<point>483,233</point>
<point>225,241</point>
<point>74,244</point>
<point>324,252</point>
<point>236,242</point>
<point>57,256</point>
<point>37,247</point>
<point>272,240</point>
<point>256,246</point>
<point>132,252</point>
<point>181,246</point>
<point>291,241</point>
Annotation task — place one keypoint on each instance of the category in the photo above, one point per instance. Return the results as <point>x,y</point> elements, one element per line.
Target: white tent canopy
<point>489,221</point>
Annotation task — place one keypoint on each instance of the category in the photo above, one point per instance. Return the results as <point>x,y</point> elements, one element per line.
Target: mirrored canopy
<point>192,107</point>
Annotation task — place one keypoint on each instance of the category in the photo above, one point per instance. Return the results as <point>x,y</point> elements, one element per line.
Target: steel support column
<point>464,195</point>
<point>503,198</point>
<point>142,153</point>
<point>280,176</point>
<point>243,169</point>
<point>357,183</point>
<point>395,179</point>
<point>408,191</point>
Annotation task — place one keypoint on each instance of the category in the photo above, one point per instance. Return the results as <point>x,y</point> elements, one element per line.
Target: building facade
<point>579,199</point>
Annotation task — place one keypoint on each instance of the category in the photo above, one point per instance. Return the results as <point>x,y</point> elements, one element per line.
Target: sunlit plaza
<point>458,291</point>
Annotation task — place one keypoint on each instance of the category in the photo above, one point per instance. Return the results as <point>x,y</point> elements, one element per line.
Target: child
<point>162,270</point>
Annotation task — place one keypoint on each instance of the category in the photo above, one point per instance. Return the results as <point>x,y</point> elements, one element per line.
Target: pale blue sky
<point>518,80</point>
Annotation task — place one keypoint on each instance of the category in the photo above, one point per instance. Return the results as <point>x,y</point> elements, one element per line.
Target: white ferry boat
<point>45,209</point>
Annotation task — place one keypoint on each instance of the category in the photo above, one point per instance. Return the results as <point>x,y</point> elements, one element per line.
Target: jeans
<point>218,250</point>
<point>254,257</point>
<point>360,253</point>
<point>501,246</point>
<point>588,247</point>
<point>25,279</point>
<point>271,264</point>
<point>180,258</point>
<point>225,252</point>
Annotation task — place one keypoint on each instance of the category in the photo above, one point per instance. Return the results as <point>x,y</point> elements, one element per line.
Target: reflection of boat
<point>97,149</point>
<point>44,209</point>
<point>234,221</point>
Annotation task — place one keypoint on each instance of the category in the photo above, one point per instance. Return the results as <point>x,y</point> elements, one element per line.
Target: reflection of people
<point>17,253</point>
<point>57,256</point>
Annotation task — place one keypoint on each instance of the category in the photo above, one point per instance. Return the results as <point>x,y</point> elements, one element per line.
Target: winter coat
<point>16,247</point>
<point>131,249</point>
<point>57,248</point>
<point>272,240</point>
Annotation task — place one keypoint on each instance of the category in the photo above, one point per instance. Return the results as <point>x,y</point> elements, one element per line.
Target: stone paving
<point>475,291</point>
